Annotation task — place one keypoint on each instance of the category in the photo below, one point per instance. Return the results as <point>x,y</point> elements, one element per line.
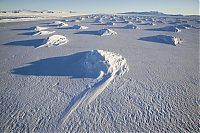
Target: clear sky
<point>105,6</point>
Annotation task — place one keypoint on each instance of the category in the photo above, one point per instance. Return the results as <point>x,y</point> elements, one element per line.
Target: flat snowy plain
<point>142,84</point>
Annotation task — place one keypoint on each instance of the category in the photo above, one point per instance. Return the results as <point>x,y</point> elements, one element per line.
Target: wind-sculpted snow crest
<point>105,67</point>
<point>54,40</point>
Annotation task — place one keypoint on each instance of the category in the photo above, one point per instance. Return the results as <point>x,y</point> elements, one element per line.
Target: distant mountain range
<point>32,11</point>
<point>153,13</point>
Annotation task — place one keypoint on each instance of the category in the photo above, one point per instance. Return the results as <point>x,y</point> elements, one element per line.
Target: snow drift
<point>106,32</point>
<point>168,28</point>
<point>105,66</point>
<point>58,23</point>
<point>38,28</point>
<point>79,27</point>
<point>43,32</point>
<point>163,39</point>
<point>54,40</point>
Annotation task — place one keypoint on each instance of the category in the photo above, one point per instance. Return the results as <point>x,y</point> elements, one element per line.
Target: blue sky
<point>105,6</point>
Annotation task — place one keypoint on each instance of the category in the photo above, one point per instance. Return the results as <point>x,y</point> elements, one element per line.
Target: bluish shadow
<point>30,28</point>
<point>155,39</point>
<point>98,24</point>
<point>88,33</point>
<point>65,28</point>
<point>161,29</point>
<point>56,66</point>
<point>27,33</point>
<point>156,29</point>
<point>35,43</point>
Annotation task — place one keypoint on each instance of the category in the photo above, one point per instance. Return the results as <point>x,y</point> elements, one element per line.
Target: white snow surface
<point>70,88</point>
<point>54,40</point>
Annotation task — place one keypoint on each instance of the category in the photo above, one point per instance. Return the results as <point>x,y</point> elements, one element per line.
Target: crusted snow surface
<point>54,40</point>
<point>103,65</point>
<point>106,32</point>
<point>159,93</point>
<point>79,27</point>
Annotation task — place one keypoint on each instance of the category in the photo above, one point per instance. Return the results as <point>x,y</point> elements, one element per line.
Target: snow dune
<point>54,40</point>
<point>163,39</point>
<point>101,64</point>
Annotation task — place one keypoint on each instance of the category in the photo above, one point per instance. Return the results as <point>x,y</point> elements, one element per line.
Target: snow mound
<point>131,26</point>
<point>171,29</point>
<point>79,27</point>
<point>38,28</point>
<point>106,32</point>
<point>54,40</point>
<point>43,32</point>
<point>104,62</point>
<point>58,23</point>
<point>106,66</point>
<point>163,39</point>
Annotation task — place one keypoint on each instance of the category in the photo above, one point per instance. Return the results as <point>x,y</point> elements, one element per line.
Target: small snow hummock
<point>104,63</point>
<point>106,32</point>
<point>163,39</point>
<point>43,32</point>
<point>58,23</point>
<point>169,39</point>
<point>170,28</point>
<point>131,26</point>
<point>54,40</point>
<point>38,28</point>
<point>79,27</point>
